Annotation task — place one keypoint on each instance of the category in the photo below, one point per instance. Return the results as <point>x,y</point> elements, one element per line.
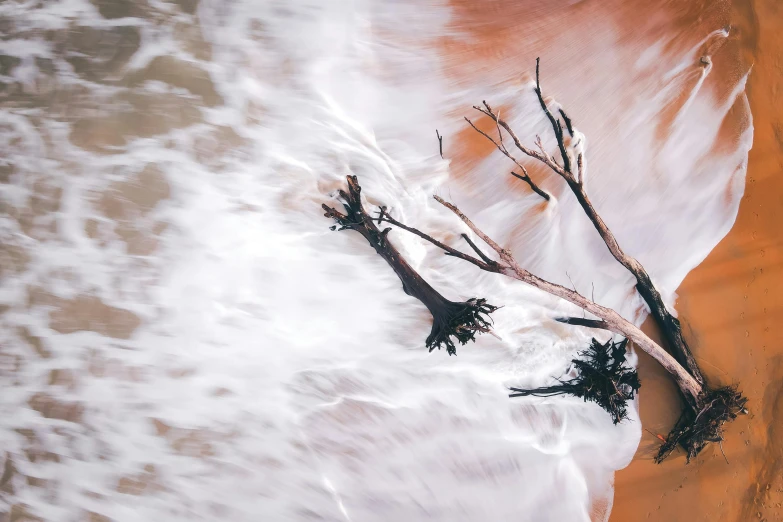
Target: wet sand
<point>729,305</point>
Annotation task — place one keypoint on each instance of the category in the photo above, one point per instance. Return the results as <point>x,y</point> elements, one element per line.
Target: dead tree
<point>572,169</point>
<point>449,319</point>
<point>707,409</point>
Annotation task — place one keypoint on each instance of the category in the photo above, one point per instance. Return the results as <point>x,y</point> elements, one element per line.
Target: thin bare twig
<point>478,250</point>
<point>555,123</point>
<point>669,325</point>
<point>490,138</point>
<point>440,143</point>
<point>540,156</point>
<point>572,282</point>
<point>502,148</point>
<point>487,265</point>
<point>526,178</point>
<point>500,134</point>
<point>581,321</point>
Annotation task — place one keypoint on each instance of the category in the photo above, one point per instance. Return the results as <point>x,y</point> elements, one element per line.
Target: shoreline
<point>728,305</point>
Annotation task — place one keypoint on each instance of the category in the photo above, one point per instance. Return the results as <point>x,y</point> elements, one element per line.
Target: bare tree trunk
<point>612,321</point>
<point>450,319</point>
<point>667,323</point>
<point>572,171</point>
<point>707,409</point>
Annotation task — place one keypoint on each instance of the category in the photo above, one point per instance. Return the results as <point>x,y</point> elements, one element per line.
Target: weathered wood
<point>667,323</point>
<point>580,321</point>
<point>458,320</point>
<point>614,322</point>
<point>707,410</point>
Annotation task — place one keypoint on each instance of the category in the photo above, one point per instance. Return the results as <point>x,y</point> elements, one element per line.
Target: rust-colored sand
<point>730,305</point>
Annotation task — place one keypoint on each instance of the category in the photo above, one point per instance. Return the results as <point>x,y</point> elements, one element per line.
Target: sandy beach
<point>182,338</point>
<point>730,306</point>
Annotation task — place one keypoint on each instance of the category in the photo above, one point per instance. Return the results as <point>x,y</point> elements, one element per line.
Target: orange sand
<point>729,306</point>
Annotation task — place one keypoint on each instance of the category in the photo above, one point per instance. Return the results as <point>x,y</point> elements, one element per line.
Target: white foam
<point>290,350</point>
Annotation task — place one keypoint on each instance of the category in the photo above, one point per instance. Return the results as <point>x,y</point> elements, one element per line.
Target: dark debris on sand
<point>602,378</point>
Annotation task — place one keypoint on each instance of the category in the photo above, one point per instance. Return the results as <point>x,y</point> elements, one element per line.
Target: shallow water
<point>183,337</point>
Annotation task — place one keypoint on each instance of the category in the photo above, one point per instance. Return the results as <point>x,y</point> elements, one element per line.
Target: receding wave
<point>183,337</point>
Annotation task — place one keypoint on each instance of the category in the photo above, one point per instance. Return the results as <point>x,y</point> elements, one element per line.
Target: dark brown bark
<point>555,123</point>
<point>458,320</point>
<point>526,178</point>
<point>697,428</point>
<point>707,410</point>
<point>667,323</point>
<point>580,321</point>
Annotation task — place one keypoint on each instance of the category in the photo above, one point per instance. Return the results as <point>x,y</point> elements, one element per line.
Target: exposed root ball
<point>459,320</point>
<point>603,378</point>
<point>462,321</point>
<point>695,429</point>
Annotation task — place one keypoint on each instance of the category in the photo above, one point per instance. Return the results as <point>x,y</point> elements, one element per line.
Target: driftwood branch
<point>526,178</point>
<point>451,321</point>
<point>614,322</point>
<point>580,321</point>
<point>487,264</point>
<point>707,410</point>
<point>669,325</point>
<point>502,148</point>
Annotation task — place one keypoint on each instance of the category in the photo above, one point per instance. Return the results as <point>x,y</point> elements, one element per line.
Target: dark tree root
<point>603,378</point>
<point>602,375</point>
<point>695,429</point>
<point>451,321</point>
<point>461,321</point>
<point>572,169</point>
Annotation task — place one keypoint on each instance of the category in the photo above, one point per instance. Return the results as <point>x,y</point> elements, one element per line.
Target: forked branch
<point>502,148</point>
<point>668,324</point>
<point>451,321</point>
<point>707,410</point>
<point>611,320</point>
